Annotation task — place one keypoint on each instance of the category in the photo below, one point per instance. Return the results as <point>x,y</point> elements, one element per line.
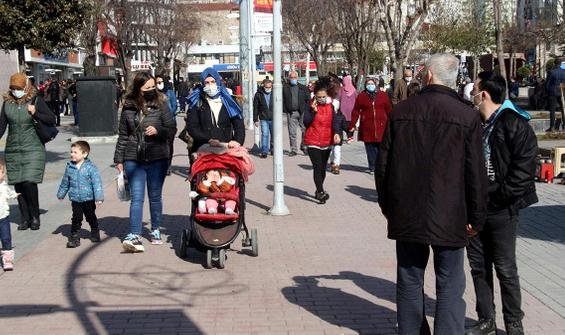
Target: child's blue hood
<point>507,104</point>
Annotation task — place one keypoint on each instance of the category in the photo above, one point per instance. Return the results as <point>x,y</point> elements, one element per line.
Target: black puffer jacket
<point>131,132</point>
<point>431,176</point>
<point>200,126</point>
<point>262,110</point>
<point>514,149</point>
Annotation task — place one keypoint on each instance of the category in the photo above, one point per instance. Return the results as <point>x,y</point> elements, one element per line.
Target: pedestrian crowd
<point>452,168</point>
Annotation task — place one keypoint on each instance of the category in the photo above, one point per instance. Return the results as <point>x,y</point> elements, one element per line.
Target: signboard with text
<point>137,65</point>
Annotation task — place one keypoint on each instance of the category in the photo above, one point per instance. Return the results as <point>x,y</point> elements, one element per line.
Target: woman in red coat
<point>323,127</point>
<point>372,108</point>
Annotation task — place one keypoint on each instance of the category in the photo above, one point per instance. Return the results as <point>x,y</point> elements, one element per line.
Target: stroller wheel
<point>183,244</point>
<point>254,243</point>
<point>221,258</point>
<point>208,264</point>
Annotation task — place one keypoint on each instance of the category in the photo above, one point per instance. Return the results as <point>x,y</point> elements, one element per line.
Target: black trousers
<point>86,209</point>
<point>555,105</point>
<point>319,159</point>
<point>496,245</point>
<point>54,107</point>
<point>28,200</point>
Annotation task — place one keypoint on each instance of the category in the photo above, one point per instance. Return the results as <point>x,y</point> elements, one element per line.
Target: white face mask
<point>211,90</point>
<point>160,86</point>
<point>268,90</point>
<point>18,93</point>
<point>408,79</point>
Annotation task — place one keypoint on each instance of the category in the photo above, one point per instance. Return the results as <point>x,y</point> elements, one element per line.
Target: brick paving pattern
<point>324,269</point>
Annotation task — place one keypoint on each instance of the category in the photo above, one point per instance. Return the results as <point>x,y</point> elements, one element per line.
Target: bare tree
<point>171,25</point>
<point>402,22</point>
<point>358,31</point>
<point>316,32</point>
<point>122,20</point>
<point>89,34</point>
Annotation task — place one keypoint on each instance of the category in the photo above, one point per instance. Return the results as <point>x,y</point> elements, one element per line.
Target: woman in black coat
<point>142,152</point>
<point>214,117</point>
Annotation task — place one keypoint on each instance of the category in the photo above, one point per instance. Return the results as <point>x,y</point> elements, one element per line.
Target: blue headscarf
<point>230,104</point>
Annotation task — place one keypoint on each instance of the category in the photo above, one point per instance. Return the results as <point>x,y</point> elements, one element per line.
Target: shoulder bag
<point>46,132</point>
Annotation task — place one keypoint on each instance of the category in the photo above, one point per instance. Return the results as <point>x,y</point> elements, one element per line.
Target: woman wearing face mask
<point>24,153</point>
<point>142,152</point>
<point>164,86</point>
<point>214,117</point>
<point>372,108</point>
<point>322,131</point>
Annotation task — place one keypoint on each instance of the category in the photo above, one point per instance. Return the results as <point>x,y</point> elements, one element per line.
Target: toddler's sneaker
<point>74,241</point>
<point>8,260</point>
<point>95,235</point>
<point>156,237</point>
<point>132,243</point>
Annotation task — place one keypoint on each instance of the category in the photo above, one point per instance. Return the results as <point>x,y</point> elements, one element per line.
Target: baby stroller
<point>212,231</point>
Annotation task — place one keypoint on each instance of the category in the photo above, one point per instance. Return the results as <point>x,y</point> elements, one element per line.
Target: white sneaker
<point>132,243</point>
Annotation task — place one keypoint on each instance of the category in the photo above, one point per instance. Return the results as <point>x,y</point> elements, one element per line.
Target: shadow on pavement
<point>348,167</point>
<point>543,223</point>
<point>295,192</point>
<point>172,290</point>
<point>347,310</point>
<point>341,308</point>
<point>368,194</point>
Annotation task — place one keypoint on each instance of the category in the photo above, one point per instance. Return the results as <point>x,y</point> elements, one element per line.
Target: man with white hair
<point>431,185</point>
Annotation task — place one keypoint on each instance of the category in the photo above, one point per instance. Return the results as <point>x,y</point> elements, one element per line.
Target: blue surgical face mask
<point>371,87</point>
<point>18,93</point>
<point>293,82</point>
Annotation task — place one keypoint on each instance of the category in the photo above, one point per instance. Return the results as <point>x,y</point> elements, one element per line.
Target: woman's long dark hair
<point>136,95</point>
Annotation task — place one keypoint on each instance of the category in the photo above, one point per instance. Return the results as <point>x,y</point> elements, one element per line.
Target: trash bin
<point>97,106</point>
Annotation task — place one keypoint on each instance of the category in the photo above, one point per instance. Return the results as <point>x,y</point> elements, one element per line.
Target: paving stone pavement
<point>323,269</point>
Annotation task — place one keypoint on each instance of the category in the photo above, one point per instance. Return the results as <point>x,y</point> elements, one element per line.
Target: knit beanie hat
<point>18,81</point>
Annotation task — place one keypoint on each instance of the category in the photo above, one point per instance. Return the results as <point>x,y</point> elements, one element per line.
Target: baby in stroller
<point>211,192</point>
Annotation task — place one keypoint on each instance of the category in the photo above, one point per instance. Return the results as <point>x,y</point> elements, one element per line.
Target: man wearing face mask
<point>295,103</point>
<point>401,87</point>
<point>510,150</point>
<point>214,117</point>
<point>263,115</point>
<point>431,184</point>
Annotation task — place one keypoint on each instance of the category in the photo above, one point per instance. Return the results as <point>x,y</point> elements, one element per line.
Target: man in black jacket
<point>510,150</point>
<point>295,102</point>
<point>263,114</point>
<point>431,184</point>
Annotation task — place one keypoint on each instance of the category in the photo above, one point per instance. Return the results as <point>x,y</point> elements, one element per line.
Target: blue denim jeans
<point>412,259</point>
<point>5,233</point>
<point>266,136</point>
<point>138,174</point>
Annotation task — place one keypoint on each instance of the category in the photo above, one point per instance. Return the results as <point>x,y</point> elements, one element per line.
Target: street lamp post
<point>279,207</point>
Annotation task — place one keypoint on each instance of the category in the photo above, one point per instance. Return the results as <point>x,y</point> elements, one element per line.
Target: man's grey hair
<point>444,68</point>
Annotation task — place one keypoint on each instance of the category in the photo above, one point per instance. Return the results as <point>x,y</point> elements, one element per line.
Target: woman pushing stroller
<point>214,117</point>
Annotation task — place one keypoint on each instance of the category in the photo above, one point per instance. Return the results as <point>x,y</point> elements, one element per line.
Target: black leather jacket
<point>130,133</point>
<point>514,149</point>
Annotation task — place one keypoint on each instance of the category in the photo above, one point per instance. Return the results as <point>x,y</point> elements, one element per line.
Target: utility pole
<point>244,58</point>
<point>279,207</point>
<point>251,64</point>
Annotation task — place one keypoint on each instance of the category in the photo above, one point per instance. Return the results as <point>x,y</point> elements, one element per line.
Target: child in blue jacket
<point>83,184</point>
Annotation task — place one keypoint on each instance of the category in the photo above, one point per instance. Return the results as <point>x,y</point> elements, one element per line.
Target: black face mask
<point>150,95</point>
